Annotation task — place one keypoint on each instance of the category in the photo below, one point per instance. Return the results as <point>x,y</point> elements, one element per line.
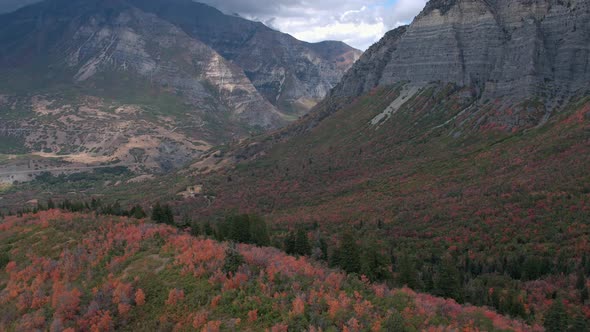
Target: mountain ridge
<point>59,55</point>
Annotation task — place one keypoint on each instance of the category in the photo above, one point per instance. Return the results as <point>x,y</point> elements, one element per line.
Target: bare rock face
<point>291,74</point>
<point>157,50</point>
<point>508,51</point>
<point>96,59</point>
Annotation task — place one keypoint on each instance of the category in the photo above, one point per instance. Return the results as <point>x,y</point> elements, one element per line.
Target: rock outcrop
<point>94,60</point>
<point>507,50</point>
<point>291,74</point>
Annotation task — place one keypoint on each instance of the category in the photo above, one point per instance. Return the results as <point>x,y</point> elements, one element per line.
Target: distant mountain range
<point>150,83</point>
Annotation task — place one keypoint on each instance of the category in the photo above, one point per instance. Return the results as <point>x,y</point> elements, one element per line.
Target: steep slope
<point>72,271</point>
<point>414,149</point>
<point>291,74</point>
<point>507,51</point>
<point>103,81</point>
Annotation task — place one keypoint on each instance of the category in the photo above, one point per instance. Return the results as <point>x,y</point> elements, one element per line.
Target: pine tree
<point>449,281</point>
<point>240,229</point>
<point>167,215</point>
<point>195,229</point>
<point>323,245</point>
<point>373,264</point>
<point>556,318</point>
<point>258,231</point>
<point>581,280</point>
<point>157,213</point>
<point>302,246</point>
<point>208,229</point>
<point>233,260</point>
<point>349,254</point>
<point>407,272</point>
<point>289,244</point>
<point>50,204</point>
<point>137,212</point>
<point>579,323</point>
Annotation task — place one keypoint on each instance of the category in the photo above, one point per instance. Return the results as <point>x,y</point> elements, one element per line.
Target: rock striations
<point>151,82</point>
<point>506,50</point>
<point>291,74</point>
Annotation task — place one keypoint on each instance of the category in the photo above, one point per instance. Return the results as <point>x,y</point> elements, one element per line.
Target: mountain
<point>107,82</point>
<point>508,52</point>
<point>453,158</point>
<point>291,74</point>
<point>463,134</point>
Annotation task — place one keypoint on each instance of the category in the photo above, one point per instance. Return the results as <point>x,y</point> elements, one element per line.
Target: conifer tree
<point>258,231</point>
<point>302,246</point>
<point>556,319</point>
<point>579,323</point>
<point>407,272</point>
<point>349,254</point>
<point>449,281</point>
<point>233,260</point>
<point>240,229</point>
<point>374,264</point>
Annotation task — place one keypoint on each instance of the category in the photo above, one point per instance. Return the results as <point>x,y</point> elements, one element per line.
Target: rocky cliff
<point>507,51</point>
<point>106,81</point>
<point>291,74</point>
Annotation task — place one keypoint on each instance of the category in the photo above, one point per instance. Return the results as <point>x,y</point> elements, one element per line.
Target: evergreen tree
<point>163,214</point>
<point>323,245</point>
<point>233,260</point>
<point>407,272</point>
<point>374,265</point>
<point>240,229</point>
<point>289,244</point>
<point>586,264</point>
<point>157,213</point>
<point>168,215</point>
<point>137,212</point>
<point>579,323</point>
<point>258,231</point>
<point>297,243</point>
<point>208,229</point>
<point>556,319</point>
<point>449,280</point>
<point>302,246</point>
<point>50,204</point>
<point>349,254</point>
<point>581,280</point>
<point>195,229</point>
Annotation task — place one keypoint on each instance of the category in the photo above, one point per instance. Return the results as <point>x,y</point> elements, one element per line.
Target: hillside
<point>95,83</point>
<point>291,74</point>
<point>63,271</point>
<point>471,182</point>
<point>441,165</point>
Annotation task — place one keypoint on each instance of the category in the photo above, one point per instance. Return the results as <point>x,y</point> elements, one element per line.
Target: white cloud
<point>357,23</point>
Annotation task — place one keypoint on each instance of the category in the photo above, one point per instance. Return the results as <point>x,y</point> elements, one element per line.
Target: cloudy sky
<point>359,23</point>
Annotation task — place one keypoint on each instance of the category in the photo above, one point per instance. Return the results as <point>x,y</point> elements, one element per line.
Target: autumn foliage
<point>110,255</point>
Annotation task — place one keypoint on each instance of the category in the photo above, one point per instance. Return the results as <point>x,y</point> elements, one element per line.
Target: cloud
<point>357,23</point>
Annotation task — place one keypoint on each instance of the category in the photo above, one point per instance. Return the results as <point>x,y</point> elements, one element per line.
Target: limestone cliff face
<point>118,80</point>
<point>122,40</point>
<point>291,74</point>
<point>506,49</point>
<point>157,50</point>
